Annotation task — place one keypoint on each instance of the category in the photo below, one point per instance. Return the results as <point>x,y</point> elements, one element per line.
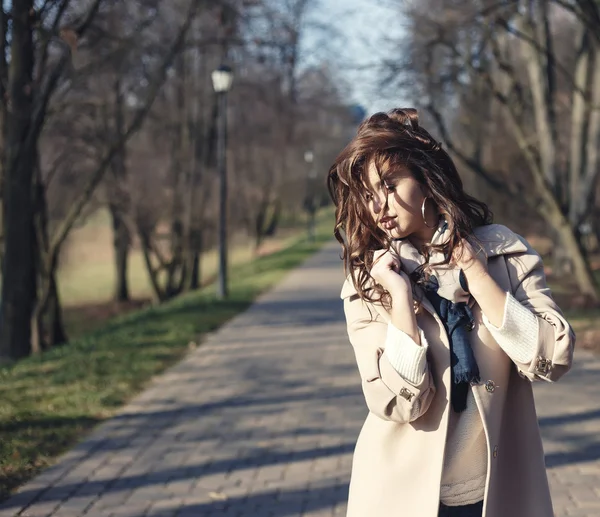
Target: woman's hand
<point>487,293</point>
<point>473,262</point>
<point>386,272</point>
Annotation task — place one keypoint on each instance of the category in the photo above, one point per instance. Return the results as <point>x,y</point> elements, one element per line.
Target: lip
<point>388,222</point>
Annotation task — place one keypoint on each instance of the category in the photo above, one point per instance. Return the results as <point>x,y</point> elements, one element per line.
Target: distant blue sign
<point>358,113</point>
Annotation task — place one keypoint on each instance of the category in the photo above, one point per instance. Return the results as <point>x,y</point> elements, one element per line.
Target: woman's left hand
<point>473,262</point>
<point>481,286</point>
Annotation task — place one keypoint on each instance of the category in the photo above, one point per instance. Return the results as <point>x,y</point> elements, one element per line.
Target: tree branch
<point>40,108</point>
<point>135,124</point>
<point>519,132</point>
<point>50,33</point>
<point>591,171</point>
<point>579,119</point>
<point>541,90</point>
<point>470,162</point>
<point>523,36</point>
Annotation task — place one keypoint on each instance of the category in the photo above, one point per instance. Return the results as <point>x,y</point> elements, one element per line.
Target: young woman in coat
<point>451,320</point>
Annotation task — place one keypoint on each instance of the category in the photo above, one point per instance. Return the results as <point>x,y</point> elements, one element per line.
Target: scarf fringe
<point>467,377</point>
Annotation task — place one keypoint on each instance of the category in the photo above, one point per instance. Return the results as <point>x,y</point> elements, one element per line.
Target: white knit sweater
<point>465,462</point>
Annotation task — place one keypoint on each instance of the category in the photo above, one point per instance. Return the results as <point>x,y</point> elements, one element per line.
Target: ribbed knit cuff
<point>407,357</point>
<point>518,334</point>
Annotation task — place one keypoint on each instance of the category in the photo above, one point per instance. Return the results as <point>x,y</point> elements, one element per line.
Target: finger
<point>381,257</point>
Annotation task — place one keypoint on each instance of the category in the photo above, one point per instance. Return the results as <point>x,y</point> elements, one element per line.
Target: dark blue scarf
<point>448,293</point>
<point>458,322</point>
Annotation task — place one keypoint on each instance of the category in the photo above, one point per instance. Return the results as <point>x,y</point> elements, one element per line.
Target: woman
<point>451,320</point>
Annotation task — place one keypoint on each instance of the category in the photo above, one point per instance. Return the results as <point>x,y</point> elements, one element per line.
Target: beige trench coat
<point>397,464</point>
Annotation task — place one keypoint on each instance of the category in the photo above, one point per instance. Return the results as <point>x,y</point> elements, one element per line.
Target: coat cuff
<point>518,334</point>
<point>406,357</point>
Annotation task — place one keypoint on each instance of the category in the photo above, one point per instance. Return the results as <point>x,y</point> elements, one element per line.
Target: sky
<point>357,36</point>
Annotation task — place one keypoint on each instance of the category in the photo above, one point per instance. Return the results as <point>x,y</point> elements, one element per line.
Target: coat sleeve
<point>541,346</point>
<point>388,394</point>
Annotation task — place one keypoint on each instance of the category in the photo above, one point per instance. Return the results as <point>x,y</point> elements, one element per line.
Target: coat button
<point>543,366</point>
<point>407,394</point>
<point>490,386</point>
<point>495,451</point>
<point>470,326</point>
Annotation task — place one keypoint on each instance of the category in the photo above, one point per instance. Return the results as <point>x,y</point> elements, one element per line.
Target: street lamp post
<point>222,78</point>
<point>309,201</point>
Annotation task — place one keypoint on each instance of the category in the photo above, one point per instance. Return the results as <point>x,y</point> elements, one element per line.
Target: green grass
<point>48,403</point>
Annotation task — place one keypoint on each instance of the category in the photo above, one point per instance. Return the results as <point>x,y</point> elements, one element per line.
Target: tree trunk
<point>158,294</point>
<point>192,279</point>
<point>271,228</point>
<point>120,202</point>
<point>37,332</point>
<point>195,273</point>
<point>579,122</point>
<point>40,236</point>
<point>56,328</point>
<point>176,270</point>
<point>46,322</point>
<point>18,274</point>
<point>47,328</point>
<point>3,116</point>
<point>541,80</point>
<point>568,240</point>
<point>259,224</point>
<point>121,241</point>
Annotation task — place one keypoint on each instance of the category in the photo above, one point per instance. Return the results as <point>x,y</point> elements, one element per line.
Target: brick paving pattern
<point>261,421</point>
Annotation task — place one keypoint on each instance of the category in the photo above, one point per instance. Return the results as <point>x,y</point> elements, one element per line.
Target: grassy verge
<point>47,403</point>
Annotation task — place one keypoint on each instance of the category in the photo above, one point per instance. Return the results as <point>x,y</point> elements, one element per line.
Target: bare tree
<point>30,87</point>
<point>25,302</point>
<point>115,94</point>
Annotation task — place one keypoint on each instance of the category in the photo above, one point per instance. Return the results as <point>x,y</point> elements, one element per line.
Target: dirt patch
<point>81,319</point>
<point>267,248</point>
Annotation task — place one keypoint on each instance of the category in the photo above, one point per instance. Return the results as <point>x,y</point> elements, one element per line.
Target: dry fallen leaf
<point>70,38</point>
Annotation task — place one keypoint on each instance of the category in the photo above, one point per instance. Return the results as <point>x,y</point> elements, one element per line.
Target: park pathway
<point>260,421</point>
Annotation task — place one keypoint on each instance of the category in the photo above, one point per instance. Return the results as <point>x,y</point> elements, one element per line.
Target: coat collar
<point>495,240</point>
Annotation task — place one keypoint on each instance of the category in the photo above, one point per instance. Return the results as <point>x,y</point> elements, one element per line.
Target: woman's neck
<point>422,237</point>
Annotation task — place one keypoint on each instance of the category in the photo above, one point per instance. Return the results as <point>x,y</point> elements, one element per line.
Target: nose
<point>377,204</point>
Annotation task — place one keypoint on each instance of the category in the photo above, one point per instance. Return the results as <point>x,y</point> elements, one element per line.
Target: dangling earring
<point>423,214</point>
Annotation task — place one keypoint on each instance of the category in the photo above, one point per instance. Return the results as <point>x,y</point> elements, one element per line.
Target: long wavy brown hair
<point>392,141</point>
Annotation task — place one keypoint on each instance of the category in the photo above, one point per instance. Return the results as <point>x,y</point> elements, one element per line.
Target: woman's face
<point>395,204</point>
